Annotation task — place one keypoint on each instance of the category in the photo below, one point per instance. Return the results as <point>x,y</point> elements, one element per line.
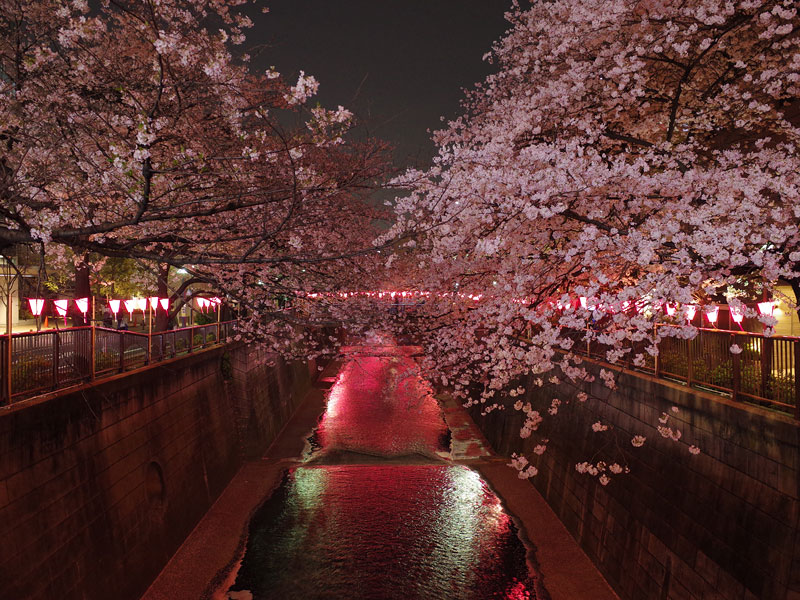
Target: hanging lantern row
<point>82,304</point>
<point>376,294</point>
<point>133,304</point>
<point>37,306</point>
<point>154,303</point>
<point>142,304</point>
<point>688,311</point>
<point>205,304</point>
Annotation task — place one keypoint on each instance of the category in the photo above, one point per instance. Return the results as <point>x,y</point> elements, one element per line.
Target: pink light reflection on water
<point>379,531</point>
<point>380,405</point>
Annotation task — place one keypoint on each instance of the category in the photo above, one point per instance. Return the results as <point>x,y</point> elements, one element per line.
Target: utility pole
<point>10,339</point>
<point>10,280</point>
<point>150,333</point>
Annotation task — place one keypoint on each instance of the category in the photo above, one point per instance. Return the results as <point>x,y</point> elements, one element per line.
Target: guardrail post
<point>121,351</point>
<point>737,372</point>
<point>766,364</point>
<point>7,359</point>
<point>796,349</point>
<point>10,332</point>
<point>657,360</point>
<point>93,345</point>
<point>7,362</point>
<point>689,365</point>
<point>56,354</point>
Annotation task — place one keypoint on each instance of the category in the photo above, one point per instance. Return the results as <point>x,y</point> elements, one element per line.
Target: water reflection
<point>380,405</point>
<point>369,531</point>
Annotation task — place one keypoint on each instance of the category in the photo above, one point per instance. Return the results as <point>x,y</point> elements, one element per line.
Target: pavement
<point>207,560</point>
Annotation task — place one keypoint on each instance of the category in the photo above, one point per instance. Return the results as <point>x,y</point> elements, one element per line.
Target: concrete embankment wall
<point>100,485</point>
<point>719,525</point>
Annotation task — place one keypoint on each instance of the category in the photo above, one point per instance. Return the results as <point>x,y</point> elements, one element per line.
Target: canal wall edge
<point>719,525</point>
<point>99,485</point>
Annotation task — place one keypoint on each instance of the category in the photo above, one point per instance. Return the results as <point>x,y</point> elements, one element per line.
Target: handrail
<point>44,361</point>
<point>126,331</point>
<point>765,369</point>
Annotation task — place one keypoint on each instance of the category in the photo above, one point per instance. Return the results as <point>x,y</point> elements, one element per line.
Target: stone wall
<point>264,396</point>
<point>100,485</point>
<point>719,525</point>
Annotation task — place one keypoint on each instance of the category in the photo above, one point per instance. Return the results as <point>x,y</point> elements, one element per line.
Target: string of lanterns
<point>710,312</point>
<point>61,305</point>
<point>689,311</point>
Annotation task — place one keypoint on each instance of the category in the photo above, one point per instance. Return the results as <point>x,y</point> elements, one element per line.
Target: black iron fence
<point>48,360</point>
<point>765,370</point>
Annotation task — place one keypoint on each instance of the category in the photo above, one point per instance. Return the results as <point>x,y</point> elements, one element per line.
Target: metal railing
<point>48,360</point>
<point>766,371</point>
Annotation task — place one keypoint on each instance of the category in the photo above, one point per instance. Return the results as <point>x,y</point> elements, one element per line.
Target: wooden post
<point>737,372</point>
<point>92,375</point>
<point>796,348</point>
<point>657,365</point>
<point>766,364</point>
<point>150,333</point>
<point>121,351</point>
<point>56,355</point>
<point>10,344</point>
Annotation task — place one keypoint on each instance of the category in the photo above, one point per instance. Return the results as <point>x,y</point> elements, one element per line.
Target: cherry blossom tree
<point>138,129</point>
<point>635,153</point>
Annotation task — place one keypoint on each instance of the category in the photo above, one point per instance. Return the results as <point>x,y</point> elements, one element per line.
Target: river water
<point>376,511</point>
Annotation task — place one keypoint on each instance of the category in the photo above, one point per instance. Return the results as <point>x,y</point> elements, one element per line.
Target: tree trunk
<point>795,283</point>
<point>83,289</point>
<point>161,322</point>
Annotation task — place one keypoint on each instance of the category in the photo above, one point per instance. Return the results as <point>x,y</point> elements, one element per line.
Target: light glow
<point>61,307</point>
<point>712,314</point>
<point>82,304</point>
<point>114,306</point>
<point>737,314</point>
<point>766,308</point>
<point>36,304</point>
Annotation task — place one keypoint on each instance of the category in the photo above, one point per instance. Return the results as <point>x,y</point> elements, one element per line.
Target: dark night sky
<point>398,65</point>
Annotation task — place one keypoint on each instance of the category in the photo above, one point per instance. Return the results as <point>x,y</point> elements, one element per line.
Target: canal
<point>378,507</point>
